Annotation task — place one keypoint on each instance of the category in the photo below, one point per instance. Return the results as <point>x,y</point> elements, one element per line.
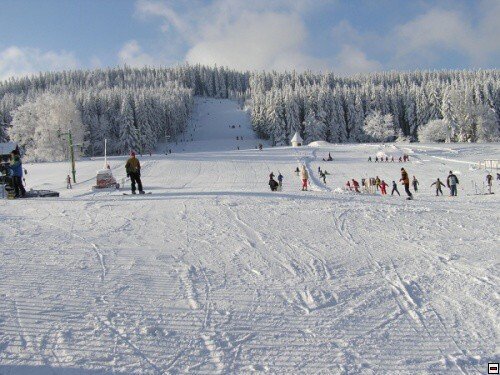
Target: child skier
<point>133,169</point>
<point>438,184</point>
<point>304,176</point>
<point>280,180</point>
<point>395,188</point>
<point>383,187</point>
<point>355,184</point>
<point>415,184</point>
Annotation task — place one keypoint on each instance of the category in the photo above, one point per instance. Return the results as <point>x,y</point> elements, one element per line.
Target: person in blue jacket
<point>16,167</point>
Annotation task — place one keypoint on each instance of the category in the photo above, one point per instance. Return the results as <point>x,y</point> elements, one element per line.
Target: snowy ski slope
<point>213,273</point>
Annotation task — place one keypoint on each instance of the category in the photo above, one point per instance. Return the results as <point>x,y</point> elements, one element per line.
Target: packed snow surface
<point>214,273</point>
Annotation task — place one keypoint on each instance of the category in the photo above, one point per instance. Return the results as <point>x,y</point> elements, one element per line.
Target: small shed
<point>297,140</point>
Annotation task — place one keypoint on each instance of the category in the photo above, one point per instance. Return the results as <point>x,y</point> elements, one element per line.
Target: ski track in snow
<point>214,273</point>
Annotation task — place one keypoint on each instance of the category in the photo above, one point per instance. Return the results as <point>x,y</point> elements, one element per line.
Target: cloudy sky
<point>343,36</point>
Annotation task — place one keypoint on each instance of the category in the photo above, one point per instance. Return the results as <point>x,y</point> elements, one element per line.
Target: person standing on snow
<point>68,182</point>
<point>438,184</point>
<point>415,184</point>
<point>272,183</point>
<point>377,182</point>
<point>406,182</point>
<point>452,182</point>
<point>395,188</point>
<point>133,169</point>
<point>16,167</point>
<point>304,176</point>
<point>355,184</point>
<point>489,182</point>
<point>280,180</point>
<point>297,171</point>
<point>383,187</point>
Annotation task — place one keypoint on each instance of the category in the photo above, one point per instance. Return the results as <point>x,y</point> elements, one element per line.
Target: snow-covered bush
<point>434,131</point>
<point>379,127</point>
<point>37,125</point>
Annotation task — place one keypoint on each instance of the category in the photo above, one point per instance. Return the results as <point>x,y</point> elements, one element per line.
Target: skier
<point>415,184</point>
<point>387,159</point>
<point>280,180</point>
<point>400,159</point>
<point>451,183</point>
<point>68,182</point>
<point>489,181</point>
<point>406,182</point>
<point>16,167</point>
<point>383,187</point>
<point>376,159</point>
<point>297,171</point>
<point>272,183</point>
<point>355,184</point>
<point>438,184</point>
<point>304,177</point>
<point>133,169</point>
<point>377,182</point>
<point>369,158</point>
<point>392,159</point>
<point>395,188</point>
<point>271,175</point>
<point>319,170</point>
<point>322,175</point>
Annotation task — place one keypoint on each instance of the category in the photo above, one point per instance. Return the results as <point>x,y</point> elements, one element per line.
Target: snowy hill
<point>214,273</point>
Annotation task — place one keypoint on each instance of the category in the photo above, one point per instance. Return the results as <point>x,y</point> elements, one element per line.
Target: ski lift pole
<point>71,152</point>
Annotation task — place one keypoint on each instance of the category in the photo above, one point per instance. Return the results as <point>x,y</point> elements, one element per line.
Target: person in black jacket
<point>273,184</point>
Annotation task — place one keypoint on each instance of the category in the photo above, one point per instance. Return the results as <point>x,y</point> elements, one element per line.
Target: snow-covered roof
<point>7,147</point>
<point>297,138</point>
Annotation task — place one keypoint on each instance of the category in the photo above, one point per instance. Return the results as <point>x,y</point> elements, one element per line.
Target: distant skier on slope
<point>297,171</point>
<point>383,187</point>
<point>304,176</point>
<point>489,182</point>
<point>415,184</point>
<point>68,182</point>
<point>280,180</point>
<point>406,182</point>
<point>355,184</point>
<point>395,188</point>
<point>438,184</point>
<point>451,183</point>
<point>377,182</point>
<point>133,169</point>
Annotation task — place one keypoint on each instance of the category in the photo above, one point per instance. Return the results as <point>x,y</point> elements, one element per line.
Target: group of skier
<point>402,159</point>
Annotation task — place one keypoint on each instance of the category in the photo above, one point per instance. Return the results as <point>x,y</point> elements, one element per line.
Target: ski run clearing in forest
<point>214,273</point>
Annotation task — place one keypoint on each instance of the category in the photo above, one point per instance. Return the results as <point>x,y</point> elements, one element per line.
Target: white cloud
<point>240,34</point>
<point>19,61</point>
<point>132,55</point>
<point>352,60</point>
<point>432,35</point>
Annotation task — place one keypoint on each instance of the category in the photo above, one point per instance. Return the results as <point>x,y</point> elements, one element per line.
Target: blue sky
<point>343,36</point>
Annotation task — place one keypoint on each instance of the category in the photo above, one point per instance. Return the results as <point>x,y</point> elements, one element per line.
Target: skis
<point>138,194</point>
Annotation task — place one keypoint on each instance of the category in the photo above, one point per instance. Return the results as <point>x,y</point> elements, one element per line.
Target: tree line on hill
<point>135,109</point>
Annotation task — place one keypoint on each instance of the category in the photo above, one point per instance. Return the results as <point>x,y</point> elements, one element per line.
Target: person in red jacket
<point>383,187</point>
<point>355,184</point>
